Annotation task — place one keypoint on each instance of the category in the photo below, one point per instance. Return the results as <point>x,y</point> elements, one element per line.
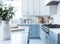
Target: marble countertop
<point>20,28</point>
<point>18,37</point>
<point>55,30</point>
<point>29,24</point>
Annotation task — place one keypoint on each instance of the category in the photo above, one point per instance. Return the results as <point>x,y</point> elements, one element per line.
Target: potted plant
<point>6,13</point>
<point>50,20</point>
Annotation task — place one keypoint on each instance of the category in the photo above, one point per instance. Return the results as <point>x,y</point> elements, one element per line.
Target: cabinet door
<point>51,37</point>
<point>32,31</point>
<point>36,7</point>
<point>30,7</point>
<point>42,35</point>
<point>56,38</point>
<point>24,7</point>
<point>37,31</point>
<point>47,39</point>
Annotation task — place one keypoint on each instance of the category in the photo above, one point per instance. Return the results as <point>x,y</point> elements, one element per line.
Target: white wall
<point>57,17</point>
<point>53,9</point>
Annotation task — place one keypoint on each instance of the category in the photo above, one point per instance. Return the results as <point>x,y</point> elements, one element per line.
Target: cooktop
<point>52,25</point>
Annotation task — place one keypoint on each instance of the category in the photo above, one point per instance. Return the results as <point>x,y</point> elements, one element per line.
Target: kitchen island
<point>18,37</point>
<point>34,30</point>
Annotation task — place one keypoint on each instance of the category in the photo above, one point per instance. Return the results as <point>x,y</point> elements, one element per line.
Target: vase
<point>5,32</point>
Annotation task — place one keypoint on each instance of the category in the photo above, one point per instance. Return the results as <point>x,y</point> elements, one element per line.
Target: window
<point>18,5</point>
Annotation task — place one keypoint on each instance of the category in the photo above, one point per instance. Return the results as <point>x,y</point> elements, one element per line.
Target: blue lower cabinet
<point>51,37</point>
<point>42,34</point>
<point>37,31</point>
<point>47,39</point>
<point>54,38</point>
<point>34,31</point>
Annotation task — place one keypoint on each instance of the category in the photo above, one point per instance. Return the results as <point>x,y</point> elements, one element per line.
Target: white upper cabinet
<point>39,7</point>
<point>36,7</point>
<point>24,7</point>
<point>44,10</point>
<point>30,7</point>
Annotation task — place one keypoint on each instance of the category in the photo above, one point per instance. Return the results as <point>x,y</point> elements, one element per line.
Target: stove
<point>46,27</point>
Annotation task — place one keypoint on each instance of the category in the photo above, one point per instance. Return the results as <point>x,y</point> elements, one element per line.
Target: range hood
<point>52,3</point>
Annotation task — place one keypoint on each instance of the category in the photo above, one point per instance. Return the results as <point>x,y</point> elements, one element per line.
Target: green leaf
<point>7,12</point>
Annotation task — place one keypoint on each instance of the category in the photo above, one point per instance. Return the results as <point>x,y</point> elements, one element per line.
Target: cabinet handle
<point>39,12</point>
<point>27,12</point>
<point>46,36</point>
<point>33,12</point>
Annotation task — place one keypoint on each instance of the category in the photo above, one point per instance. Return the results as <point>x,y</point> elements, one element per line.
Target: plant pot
<point>5,32</point>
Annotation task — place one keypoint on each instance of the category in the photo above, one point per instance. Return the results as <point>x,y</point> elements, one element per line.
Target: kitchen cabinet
<point>34,30</point>
<point>54,37</point>
<point>51,37</point>
<point>24,7</point>
<point>45,37</point>
<point>36,7</point>
<point>27,7</point>
<point>42,36</point>
<point>30,7</point>
<point>37,31</point>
